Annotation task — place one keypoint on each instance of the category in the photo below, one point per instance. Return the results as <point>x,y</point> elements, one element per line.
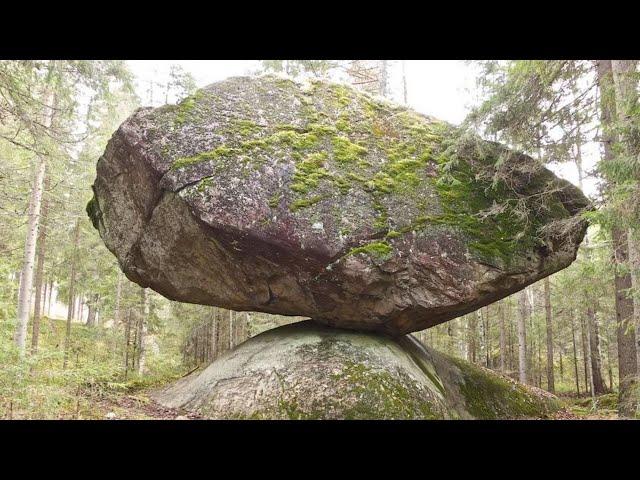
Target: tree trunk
<point>214,336</point>
<point>230,329</point>
<point>522,335</point>
<point>43,310</point>
<point>471,336</point>
<point>625,79</point>
<point>503,345</point>
<point>72,283</point>
<point>116,308</point>
<point>585,354</point>
<point>614,91</point>
<point>142,352</point>
<point>33,224</point>
<point>594,343</point>
<point>590,360</point>
<point>26,275</point>
<point>575,354</point>
<point>634,264</point>
<point>93,305</point>
<point>512,337</point>
<point>487,336</point>
<point>560,361</point>
<point>127,338</point>
<point>51,285</point>
<point>80,307</point>
<point>41,244</point>
<point>547,309</point>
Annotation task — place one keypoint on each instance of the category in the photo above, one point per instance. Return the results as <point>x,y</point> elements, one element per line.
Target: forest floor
<point>140,406</point>
<point>603,407</point>
<point>128,407</point>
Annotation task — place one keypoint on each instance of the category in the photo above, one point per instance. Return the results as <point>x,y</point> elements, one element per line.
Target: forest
<point>80,338</point>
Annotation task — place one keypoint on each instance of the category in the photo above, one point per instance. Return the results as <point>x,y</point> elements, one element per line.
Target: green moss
<point>186,107</point>
<point>464,198</point>
<point>380,250</point>
<point>93,210</point>
<point>309,172</point>
<point>342,94</point>
<point>382,395</point>
<point>275,200</point>
<point>205,183</point>
<point>298,141</point>
<point>487,396</point>
<point>382,220</point>
<point>305,202</point>
<point>345,151</point>
<point>343,123</point>
<point>244,127</point>
<point>221,151</point>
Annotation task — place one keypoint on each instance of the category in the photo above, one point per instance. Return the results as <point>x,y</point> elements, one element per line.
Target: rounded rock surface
<point>262,194</point>
<point>309,371</point>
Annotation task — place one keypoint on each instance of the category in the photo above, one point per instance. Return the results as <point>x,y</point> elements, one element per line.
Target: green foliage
<point>378,250</point>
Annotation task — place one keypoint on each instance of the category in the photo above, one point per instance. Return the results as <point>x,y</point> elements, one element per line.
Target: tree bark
<point>614,91</point>
<point>547,309</point>
<point>33,224</point>
<point>41,245</point>
<point>594,344</point>
<point>585,353</point>
<point>522,335</point>
<point>51,285</point>
<point>127,338</point>
<point>471,336</point>
<point>144,318</point>
<point>214,336</point>
<point>93,305</point>
<point>634,264</point>
<point>72,284</point>
<point>26,275</point>
<point>43,310</point>
<point>487,336</point>
<point>575,354</point>
<point>503,345</point>
<point>116,308</point>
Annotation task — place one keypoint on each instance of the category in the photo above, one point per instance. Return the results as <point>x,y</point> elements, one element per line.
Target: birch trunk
<point>26,275</point>
<point>41,245</point>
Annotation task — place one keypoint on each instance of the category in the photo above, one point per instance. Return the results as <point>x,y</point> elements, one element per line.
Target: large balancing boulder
<point>316,200</point>
<point>309,371</point>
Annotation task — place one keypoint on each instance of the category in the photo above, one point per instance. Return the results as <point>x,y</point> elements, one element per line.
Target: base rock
<point>309,371</point>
